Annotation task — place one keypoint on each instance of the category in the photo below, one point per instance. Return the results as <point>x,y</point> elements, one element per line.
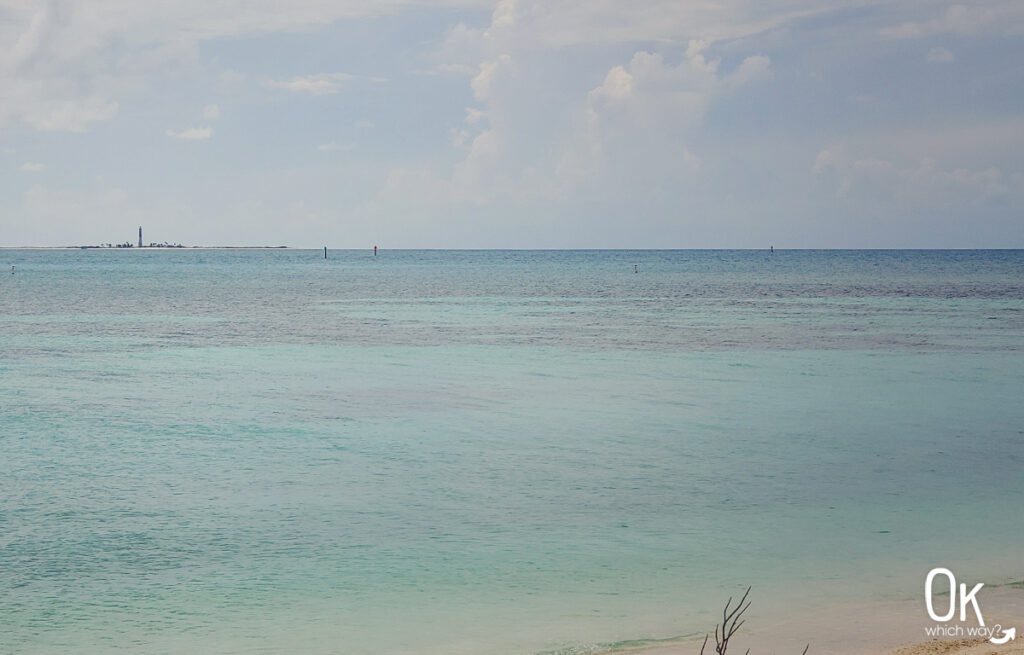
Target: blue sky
<point>513,124</point>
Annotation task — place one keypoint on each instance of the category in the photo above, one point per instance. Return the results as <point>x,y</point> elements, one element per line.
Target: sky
<point>513,124</point>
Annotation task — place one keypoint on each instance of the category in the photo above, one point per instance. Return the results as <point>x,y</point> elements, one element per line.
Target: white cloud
<point>648,95</point>
<point>938,167</point>
<point>459,137</point>
<point>620,138</point>
<point>981,17</point>
<point>192,133</point>
<point>529,24</point>
<point>89,24</point>
<point>63,115</point>
<point>67,65</point>
<point>488,75</point>
<point>574,101</point>
<point>637,125</point>
<point>335,147</point>
<point>825,159</point>
<point>618,84</point>
<point>72,63</point>
<point>37,35</point>
<point>753,69</point>
<point>33,167</point>
<point>318,85</point>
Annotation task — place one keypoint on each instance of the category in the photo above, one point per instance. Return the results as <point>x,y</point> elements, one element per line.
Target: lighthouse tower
<point>140,236</point>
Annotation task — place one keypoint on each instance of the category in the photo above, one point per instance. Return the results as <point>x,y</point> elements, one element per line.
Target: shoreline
<point>868,628</point>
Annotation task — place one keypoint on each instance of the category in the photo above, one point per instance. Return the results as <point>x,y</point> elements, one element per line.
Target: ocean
<point>494,452</point>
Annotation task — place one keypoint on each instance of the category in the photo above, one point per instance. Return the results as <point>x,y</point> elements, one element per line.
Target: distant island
<point>127,244</point>
<point>165,244</point>
<point>154,246</point>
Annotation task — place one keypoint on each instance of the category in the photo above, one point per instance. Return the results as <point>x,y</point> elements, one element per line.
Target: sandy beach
<point>967,646</point>
<point>884,628</point>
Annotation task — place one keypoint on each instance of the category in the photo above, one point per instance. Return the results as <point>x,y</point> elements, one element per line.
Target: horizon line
<point>481,249</point>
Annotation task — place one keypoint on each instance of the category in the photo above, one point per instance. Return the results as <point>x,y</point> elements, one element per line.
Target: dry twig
<point>731,622</point>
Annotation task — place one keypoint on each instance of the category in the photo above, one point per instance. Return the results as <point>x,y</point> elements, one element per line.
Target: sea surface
<point>493,452</point>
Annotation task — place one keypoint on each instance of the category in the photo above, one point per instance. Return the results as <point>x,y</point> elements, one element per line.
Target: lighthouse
<point>140,236</point>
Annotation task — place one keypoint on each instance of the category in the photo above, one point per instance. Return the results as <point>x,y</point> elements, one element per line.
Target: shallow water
<point>493,452</point>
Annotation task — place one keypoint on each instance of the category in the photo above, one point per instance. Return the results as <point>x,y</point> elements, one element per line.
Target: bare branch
<point>732,621</point>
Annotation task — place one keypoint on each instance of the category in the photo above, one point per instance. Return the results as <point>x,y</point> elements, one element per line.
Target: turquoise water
<point>493,452</point>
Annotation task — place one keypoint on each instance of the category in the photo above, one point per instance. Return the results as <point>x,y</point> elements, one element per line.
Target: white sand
<point>884,628</point>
